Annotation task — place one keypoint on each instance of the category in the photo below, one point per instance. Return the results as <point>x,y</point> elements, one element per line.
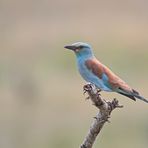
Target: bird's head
<point>81,49</point>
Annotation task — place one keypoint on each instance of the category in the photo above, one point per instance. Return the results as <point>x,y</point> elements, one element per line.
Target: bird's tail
<point>138,96</point>
<point>132,95</point>
<point>141,98</point>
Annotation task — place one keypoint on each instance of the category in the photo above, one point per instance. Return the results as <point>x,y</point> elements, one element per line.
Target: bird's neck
<point>84,57</point>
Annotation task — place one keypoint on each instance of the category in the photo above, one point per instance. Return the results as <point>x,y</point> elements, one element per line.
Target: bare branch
<point>105,109</point>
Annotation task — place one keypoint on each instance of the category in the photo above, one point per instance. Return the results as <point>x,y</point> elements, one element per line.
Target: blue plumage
<point>98,74</point>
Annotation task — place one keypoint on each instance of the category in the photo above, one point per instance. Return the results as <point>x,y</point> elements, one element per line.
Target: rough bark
<point>105,109</point>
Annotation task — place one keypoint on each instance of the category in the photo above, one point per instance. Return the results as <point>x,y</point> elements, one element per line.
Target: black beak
<point>70,47</point>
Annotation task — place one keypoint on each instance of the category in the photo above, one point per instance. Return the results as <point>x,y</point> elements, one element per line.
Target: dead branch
<point>105,109</point>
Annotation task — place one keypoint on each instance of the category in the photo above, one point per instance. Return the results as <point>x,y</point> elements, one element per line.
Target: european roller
<point>94,72</point>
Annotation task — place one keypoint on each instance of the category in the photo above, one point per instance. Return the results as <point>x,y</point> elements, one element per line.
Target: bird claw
<point>87,87</point>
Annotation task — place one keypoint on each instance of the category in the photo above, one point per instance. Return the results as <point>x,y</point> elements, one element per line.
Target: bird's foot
<point>87,88</point>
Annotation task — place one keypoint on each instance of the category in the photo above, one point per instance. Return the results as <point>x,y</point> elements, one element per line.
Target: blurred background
<point>41,98</point>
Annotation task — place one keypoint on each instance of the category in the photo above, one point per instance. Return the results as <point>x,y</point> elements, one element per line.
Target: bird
<point>96,73</point>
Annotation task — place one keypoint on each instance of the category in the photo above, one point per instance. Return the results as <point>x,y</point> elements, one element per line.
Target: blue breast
<point>90,77</point>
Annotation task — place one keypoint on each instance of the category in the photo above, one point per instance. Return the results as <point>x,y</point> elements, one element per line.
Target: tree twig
<point>105,109</point>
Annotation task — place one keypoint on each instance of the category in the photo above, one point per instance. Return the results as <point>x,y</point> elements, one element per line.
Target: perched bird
<point>94,72</point>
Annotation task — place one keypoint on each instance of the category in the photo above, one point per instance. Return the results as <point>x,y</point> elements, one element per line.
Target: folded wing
<point>113,81</point>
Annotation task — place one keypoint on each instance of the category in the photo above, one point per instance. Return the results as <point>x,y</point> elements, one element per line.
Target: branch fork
<point>105,109</point>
